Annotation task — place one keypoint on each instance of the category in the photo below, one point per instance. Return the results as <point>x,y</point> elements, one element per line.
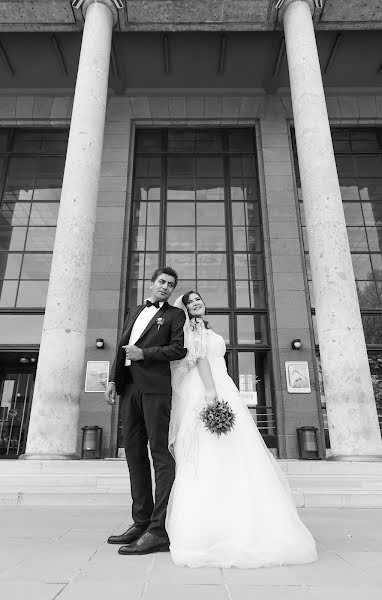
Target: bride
<point>230,504</point>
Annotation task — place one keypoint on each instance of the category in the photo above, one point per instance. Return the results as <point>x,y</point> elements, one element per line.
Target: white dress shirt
<point>141,322</point>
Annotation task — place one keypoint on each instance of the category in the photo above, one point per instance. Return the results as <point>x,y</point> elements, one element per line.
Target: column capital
<point>111,4</point>
<point>282,6</point>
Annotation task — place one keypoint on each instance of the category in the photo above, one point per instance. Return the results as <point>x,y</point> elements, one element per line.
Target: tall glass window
<point>32,167</point>
<point>358,154</point>
<point>196,208</point>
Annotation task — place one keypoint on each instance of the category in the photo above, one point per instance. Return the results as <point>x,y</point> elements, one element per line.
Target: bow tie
<point>149,303</point>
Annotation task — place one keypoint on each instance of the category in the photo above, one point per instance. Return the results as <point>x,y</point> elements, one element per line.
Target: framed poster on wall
<point>97,375</point>
<point>297,377</point>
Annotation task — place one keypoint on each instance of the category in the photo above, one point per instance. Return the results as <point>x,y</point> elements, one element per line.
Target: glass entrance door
<point>17,375</point>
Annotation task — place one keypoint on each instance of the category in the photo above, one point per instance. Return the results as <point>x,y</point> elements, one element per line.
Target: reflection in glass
<point>367,294</point>
<point>40,238</point>
<point>148,166</point>
<point>181,166</point>
<point>47,189</point>
<point>148,140</point>
<point>374,236</point>
<point>146,213</point>
<point>180,238</point>
<point>180,189</point>
<point>349,189</point>
<point>376,261</point>
<point>183,263</point>
<point>362,266</point>
<point>8,291</point>
<point>180,213</point>
<point>357,238</point>
<point>368,166</point>
<point>184,286</point>
<point>212,266</point>
<point>209,189</point>
<point>211,238</point>
<point>44,213</point>
<point>12,238</point>
<point>370,189</point>
<point>247,239</point>
<point>146,238</point>
<point>251,329</point>
<point>220,324</point>
<point>10,265</point>
<point>242,294</point>
<point>36,266</point>
<point>372,326</point>
<point>146,189</point>
<point>32,293</point>
<point>240,140</point>
<point>245,213</point>
<point>257,294</point>
<point>243,166</point>
<point>14,213</point>
<point>214,293</point>
<point>372,212</point>
<point>241,266</point>
<point>209,166</point>
<point>353,213</point>
<point>210,213</point>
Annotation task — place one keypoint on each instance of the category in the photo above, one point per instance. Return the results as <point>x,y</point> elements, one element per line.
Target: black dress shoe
<point>146,544</point>
<point>132,534</point>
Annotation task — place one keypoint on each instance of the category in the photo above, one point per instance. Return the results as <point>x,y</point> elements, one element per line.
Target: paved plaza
<point>49,553</point>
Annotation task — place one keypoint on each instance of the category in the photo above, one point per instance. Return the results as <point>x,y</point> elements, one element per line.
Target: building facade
<point>238,141</point>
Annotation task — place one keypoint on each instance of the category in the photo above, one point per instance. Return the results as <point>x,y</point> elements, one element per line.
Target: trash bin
<point>91,441</point>
<point>308,443</point>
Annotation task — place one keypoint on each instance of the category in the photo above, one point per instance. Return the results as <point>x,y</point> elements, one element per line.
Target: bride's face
<point>195,306</point>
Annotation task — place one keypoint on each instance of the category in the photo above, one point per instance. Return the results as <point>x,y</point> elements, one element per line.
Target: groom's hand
<point>110,393</point>
<point>133,352</point>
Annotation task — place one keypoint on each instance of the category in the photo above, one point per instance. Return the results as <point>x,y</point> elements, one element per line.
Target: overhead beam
<point>6,60</point>
<point>59,54</point>
<point>114,61</point>
<point>279,58</point>
<point>222,52</point>
<point>119,84</point>
<point>333,52</point>
<point>166,54</point>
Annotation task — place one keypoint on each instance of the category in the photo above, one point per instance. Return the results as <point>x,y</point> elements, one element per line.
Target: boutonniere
<point>160,321</point>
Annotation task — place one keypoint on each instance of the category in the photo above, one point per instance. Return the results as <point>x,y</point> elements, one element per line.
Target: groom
<point>152,337</point>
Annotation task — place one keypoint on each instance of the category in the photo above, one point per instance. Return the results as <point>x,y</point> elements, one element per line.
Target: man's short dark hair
<point>166,271</point>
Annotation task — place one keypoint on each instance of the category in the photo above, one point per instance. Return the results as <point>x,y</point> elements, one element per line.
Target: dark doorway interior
<point>17,376</point>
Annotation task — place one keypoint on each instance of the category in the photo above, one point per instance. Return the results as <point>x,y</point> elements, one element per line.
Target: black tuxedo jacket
<point>160,344</point>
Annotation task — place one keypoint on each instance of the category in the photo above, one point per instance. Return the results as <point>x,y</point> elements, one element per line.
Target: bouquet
<point>218,417</point>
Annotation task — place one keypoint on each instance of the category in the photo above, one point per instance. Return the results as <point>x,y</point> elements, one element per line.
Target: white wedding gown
<point>230,504</point>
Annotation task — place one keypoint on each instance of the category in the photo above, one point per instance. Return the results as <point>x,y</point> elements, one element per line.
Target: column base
<point>49,457</point>
<point>355,458</point>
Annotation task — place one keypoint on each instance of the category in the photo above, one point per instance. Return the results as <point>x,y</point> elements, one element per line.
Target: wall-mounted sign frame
<point>97,375</point>
<point>297,377</point>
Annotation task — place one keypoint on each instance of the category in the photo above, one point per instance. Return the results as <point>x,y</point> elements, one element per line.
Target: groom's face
<point>162,288</point>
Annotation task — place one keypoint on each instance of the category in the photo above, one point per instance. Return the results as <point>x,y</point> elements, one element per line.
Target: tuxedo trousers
<point>145,420</point>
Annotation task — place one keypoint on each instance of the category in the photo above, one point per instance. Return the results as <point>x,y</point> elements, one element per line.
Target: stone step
<point>106,483</point>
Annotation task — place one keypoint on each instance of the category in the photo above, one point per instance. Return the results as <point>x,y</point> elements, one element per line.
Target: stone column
<point>59,379</point>
<point>352,416</point>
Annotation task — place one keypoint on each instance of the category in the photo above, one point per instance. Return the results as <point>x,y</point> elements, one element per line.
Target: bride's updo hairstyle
<point>185,299</point>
